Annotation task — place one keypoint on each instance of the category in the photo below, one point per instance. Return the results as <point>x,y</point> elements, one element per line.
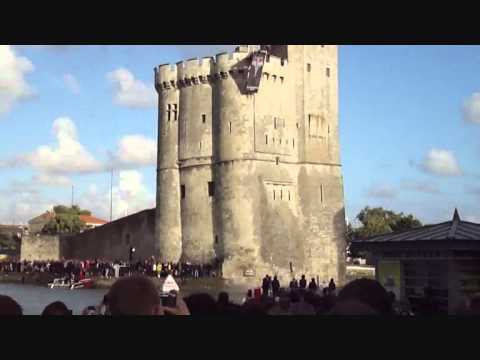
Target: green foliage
<point>67,220</point>
<point>378,221</point>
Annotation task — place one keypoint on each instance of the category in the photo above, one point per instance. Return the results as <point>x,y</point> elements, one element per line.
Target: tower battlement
<point>165,77</point>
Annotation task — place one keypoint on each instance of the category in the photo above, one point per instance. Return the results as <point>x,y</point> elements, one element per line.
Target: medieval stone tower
<point>248,162</point>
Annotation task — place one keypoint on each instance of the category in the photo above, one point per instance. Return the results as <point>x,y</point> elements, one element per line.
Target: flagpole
<point>111,195</point>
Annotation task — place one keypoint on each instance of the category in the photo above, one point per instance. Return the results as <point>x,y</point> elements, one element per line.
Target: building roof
<point>45,217</point>
<point>456,229</point>
<point>92,220</point>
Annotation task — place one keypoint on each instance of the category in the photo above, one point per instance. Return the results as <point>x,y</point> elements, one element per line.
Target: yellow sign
<point>389,276</point>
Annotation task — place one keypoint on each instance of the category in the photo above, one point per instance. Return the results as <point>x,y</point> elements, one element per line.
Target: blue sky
<point>409,127</point>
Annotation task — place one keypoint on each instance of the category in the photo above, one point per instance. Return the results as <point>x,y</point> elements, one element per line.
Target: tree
<point>66,220</point>
<point>378,221</point>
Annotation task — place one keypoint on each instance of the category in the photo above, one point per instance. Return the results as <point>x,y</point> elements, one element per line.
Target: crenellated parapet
<point>194,71</point>
<point>165,77</point>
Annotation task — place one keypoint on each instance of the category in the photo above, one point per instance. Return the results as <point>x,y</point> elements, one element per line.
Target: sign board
<point>255,71</point>
<point>389,276</point>
<point>249,273</point>
<point>170,284</point>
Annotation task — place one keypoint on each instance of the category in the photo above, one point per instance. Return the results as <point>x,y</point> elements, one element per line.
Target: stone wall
<point>41,247</point>
<point>113,240</point>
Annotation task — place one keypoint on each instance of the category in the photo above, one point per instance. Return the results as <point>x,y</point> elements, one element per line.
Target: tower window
<point>309,67</point>
<point>182,191</point>
<point>266,139</point>
<point>281,79</point>
<point>168,114</point>
<point>216,239</point>
<point>281,194</point>
<point>200,145</point>
<point>328,72</point>
<point>273,194</point>
<point>274,122</point>
<point>174,115</point>
<point>288,195</point>
<point>277,159</point>
<point>321,193</point>
<point>211,188</point>
<point>293,143</point>
<point>204,118</point>
<point>230,127</point>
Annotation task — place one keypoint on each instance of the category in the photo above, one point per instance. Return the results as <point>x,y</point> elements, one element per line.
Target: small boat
<point>85,283</point>
<point>59,283</point>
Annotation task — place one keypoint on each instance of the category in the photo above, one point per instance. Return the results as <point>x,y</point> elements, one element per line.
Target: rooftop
<point>456,229</point>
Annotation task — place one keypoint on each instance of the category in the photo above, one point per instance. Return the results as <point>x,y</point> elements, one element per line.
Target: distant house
<point>91,221</point>
<point>36,224</point>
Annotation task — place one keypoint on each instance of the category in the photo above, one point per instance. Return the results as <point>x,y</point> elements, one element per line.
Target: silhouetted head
<point>56,308</point>
<point>135,295</point>
<point>223,298</point>
<point>303,276</point>
<point>369,292</point>
<point>8,306</point>
<point>352,308</point>
<point>201,304</point>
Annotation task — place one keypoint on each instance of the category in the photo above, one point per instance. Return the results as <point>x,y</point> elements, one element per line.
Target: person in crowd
<point>137,295</point>
<point>57,308</point>
<point>313,285</point>
<point>8,306</point>
<point>293,284</point>
<point>299,306</point>
<point>303,282</point>
<point>265,284</point>
<point>331,286</point>
<point>275,286</point>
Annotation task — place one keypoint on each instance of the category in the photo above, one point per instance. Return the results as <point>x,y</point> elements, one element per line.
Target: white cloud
<point>382,191</point>
<point>441,162</point>
<point>18,207</point>
<point>52,180</point>
<point>135,150</point>
<point>130,195</point>
<point>471,108</point>
<point>425,187</point>
<point>13,86</point>
<point>67,156</point>
<point>131,92</point>
<point>71,83</point>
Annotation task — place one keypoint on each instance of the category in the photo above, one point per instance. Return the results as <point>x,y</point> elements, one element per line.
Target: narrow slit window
<point>293,143</point>
<point>281,194</point>
<point>230,127</point>
<point>204,118</point>
<point>200,145</point>
<point>211,188</point>
<point>321,193</point>
<point>273,140</point>
<point>174,115</point>
<point>168,115</point>
<point>216,239</point>
<point>328,72</point>
<point>274,122</point>
<point>273,194</point>
<point>309,67</point>
<point>182,190</point>
<point>289,196</point>
<point>266,139</point>
<point>280,141</point>
<point>277,159</point>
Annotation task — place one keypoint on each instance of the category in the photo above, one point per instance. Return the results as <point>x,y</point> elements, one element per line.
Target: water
<point>33,299</point>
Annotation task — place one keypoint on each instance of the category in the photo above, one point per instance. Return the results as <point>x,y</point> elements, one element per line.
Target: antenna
<point>111,195</point>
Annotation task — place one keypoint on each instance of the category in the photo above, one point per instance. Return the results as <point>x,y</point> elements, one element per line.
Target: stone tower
<point>252,178</point>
